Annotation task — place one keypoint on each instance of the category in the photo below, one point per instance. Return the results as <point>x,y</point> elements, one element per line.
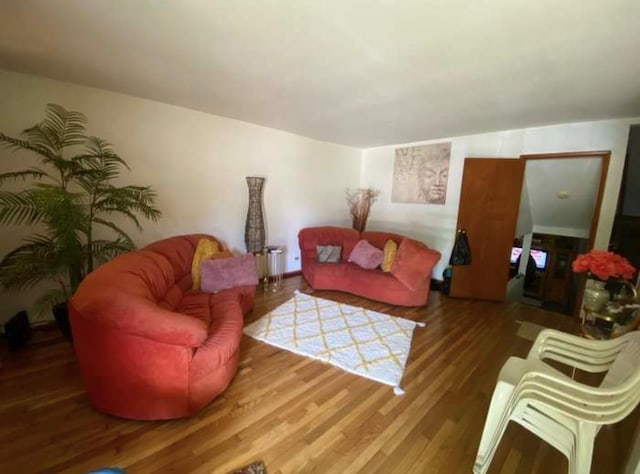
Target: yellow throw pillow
<point>205,249</point>
<point>390,249</point>
<point>222,254</point>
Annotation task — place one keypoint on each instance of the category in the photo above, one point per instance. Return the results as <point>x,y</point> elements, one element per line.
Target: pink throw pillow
<point>366,255</point>
<point>223,273</point>
<point>413,263</point>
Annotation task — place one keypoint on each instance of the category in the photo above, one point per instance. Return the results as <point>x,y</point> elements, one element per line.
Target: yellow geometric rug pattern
<point>360,341</point>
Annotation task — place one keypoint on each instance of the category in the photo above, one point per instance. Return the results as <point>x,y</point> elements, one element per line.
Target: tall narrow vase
<point>254,235</point>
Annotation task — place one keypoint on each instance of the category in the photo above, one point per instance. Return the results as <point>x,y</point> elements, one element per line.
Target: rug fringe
<point>398,391</point>
<point>421,324</point>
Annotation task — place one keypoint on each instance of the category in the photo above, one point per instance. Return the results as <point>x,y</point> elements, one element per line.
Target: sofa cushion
<point>172,298</point>
<point>206,249</point>
<point>376,284</point>
<point>141,274</point>
<point>224,273</point>
<point>178,251</point>
<point>328,253</point>
<point>310,237</point>
<point>413,263</point>
<point>196,305</point>
<point>321,275</point>
<point>390,250</point>
<point>366,255</point>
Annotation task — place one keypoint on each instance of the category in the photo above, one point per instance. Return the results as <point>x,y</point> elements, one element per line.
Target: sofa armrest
<point>414,263</point>
<point>223,340</point>
<point>141,318</point>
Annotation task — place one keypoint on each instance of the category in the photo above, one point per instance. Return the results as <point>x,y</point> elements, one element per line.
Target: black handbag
<point>461,254</point>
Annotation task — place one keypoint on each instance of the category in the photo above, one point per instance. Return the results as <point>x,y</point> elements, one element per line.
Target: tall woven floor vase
<point>254,234</point>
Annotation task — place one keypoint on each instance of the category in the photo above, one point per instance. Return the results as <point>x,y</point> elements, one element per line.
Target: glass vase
<point>595,295</point>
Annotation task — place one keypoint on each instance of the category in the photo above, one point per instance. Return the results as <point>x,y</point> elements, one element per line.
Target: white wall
<point>525,219</point>
<point>197,162</point>
<point>435,224</point>
<point>579,178</point>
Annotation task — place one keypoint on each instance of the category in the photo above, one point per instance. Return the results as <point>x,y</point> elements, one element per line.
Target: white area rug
<point>363,342</point>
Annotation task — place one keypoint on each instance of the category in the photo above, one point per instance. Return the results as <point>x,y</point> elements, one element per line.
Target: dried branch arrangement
<point>360,202</point>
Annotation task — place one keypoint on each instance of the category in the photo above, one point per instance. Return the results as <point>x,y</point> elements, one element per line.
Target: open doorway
<point>548,280</point>
<point>557,220</point>
<point>625,236</point>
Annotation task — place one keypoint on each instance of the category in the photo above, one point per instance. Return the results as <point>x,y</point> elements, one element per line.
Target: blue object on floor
<point>108,470</point>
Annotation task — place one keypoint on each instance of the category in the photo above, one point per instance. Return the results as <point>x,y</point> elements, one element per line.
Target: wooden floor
<point>295,414</point>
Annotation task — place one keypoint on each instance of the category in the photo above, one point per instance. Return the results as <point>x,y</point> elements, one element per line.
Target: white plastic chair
<point>565,413</point>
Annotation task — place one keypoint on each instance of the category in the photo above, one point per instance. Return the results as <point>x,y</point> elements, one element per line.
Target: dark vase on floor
<point>254,234</point>
<point>61,314</point>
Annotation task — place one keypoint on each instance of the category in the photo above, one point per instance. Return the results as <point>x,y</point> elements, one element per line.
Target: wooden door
<point>488,212</point>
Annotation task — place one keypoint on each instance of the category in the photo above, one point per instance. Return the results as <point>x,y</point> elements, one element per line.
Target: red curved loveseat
<point>407,284</point>
<point>148,346</point>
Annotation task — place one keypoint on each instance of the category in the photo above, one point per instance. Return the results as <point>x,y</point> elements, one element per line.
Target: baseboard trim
<point>294,273</point>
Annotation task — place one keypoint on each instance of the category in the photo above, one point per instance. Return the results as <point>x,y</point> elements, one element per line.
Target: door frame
<point>605,155</point>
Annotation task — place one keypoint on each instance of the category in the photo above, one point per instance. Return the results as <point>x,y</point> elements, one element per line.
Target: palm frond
<point>65,216</point>
<point>130,199</point>
<point>18,144</point>
<point>63,209</point>
<point>38,259</point>
<point>103,150</point>
<point>34,173</point>
<point>58,130</point>
<point>121,233</point>
<point>98,166</point>
<point>58,208</point>
<point>21,207</point>
<point>63,127</point>
<point>128,214</point>
<point>42,138</point>
<point>104,250</point>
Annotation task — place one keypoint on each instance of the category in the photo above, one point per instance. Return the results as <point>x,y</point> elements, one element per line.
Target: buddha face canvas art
<point>421,174</point>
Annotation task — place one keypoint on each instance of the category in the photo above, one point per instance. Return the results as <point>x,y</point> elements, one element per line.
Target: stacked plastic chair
<point>564,413</point>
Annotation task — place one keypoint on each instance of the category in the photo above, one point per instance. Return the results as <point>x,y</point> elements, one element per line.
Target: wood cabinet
<point>556,285</point>
<point>559,276</point>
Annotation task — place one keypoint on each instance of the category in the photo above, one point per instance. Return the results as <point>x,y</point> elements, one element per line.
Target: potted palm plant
<point>71,199</point>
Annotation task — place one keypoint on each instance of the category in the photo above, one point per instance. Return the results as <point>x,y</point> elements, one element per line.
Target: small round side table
<point>275,265</point>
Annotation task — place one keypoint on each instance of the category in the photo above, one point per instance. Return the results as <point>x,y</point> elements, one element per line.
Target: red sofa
<point>406,285</point>
<point>148,346</point>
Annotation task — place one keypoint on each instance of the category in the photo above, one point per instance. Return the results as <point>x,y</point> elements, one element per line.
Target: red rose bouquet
<point>604,265</point>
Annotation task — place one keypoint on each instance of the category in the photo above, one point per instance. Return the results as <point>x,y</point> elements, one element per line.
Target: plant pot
<point>61,314</point>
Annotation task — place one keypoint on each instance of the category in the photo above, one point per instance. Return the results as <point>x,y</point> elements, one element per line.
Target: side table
<point>275,266</point>
<point>596,325</point>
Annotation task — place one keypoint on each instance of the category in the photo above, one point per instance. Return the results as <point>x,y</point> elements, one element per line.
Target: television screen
<point>540,257</point>
<point>515,253</point>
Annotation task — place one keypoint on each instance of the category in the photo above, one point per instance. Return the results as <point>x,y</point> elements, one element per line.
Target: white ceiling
<point>357,72</point>
<point>579,178</point>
